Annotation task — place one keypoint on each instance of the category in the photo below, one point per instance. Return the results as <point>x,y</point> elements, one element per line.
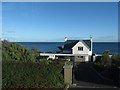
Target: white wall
<point>51,56</point>
<point>76,51</point>
<point>90,52</point>
<point>86,58</point>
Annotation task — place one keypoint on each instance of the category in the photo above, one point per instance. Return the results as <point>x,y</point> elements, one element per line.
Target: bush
<point>21,68</point>
<point>106,61</point>
<point>14,51</point>
<point>115,60</point>
<point>17,74</point>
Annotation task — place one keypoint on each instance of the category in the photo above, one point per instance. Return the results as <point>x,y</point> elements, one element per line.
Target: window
<point>80,48</point>
<point>80,56</point>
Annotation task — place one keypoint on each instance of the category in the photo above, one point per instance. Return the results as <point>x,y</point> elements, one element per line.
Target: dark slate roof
<point>70,43</point>
<point>88,43</point>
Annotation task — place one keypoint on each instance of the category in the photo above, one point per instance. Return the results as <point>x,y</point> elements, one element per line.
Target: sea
<point>98,47</point>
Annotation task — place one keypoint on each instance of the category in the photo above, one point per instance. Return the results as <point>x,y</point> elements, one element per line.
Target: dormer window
<point>80,48</point>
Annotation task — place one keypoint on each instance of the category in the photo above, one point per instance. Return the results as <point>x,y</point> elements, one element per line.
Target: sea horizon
<point>63,41</point>
<point>98,47</point>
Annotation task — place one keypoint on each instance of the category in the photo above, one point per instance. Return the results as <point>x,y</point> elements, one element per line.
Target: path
<point>86,76</point>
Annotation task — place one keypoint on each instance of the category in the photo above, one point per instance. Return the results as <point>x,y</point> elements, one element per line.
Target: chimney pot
<point>65,39</point>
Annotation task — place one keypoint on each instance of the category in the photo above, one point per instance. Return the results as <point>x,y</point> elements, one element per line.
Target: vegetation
<point>32,75</point>
<point>14,51</point>
<point>115,60</point>
<point>22,68</point>
<point>68,63</point>
<point>108,66</point>
<point>107,62</point>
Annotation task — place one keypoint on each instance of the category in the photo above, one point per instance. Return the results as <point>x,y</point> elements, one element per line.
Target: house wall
<point>79,59</point>
<point>86,58</point>
<point>76,51</point>
<point>90,52</point>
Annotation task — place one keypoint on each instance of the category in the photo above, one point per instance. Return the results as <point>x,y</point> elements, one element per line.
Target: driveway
<point>84,75</point>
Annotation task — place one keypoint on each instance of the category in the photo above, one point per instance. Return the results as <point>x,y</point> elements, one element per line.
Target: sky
<point>53,21</point>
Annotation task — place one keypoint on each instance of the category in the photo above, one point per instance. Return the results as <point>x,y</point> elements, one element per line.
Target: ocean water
<point>98,47</point>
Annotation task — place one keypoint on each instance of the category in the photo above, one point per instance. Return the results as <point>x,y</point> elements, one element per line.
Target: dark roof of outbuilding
<point>69,44</point>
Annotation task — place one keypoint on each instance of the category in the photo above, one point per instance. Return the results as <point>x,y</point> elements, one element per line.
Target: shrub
<point>106,61</point>
<point>17,74</point>
<point>115,60</point>
<point>14,51</point>
<point>21,68</point>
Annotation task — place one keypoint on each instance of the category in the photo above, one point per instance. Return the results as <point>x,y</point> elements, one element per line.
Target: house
<point>78,50</point>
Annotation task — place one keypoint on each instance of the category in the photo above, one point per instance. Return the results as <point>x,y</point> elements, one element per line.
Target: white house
<point>79,50</point>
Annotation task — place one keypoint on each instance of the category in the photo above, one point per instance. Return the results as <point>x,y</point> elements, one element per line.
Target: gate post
<point>68,73</point>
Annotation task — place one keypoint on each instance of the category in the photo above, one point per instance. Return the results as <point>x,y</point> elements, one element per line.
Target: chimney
<point>90,37</point>
<point>65,39</point>
<point>91,41</point>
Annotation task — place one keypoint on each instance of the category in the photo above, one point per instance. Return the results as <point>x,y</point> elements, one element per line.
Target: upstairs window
<point>80,48</point>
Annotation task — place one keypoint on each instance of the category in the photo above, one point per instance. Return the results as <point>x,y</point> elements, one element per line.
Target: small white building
<point>79,50</point>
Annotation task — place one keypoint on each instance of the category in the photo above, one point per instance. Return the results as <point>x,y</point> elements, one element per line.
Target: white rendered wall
<point>76,51</point>
<point>86,58</point>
